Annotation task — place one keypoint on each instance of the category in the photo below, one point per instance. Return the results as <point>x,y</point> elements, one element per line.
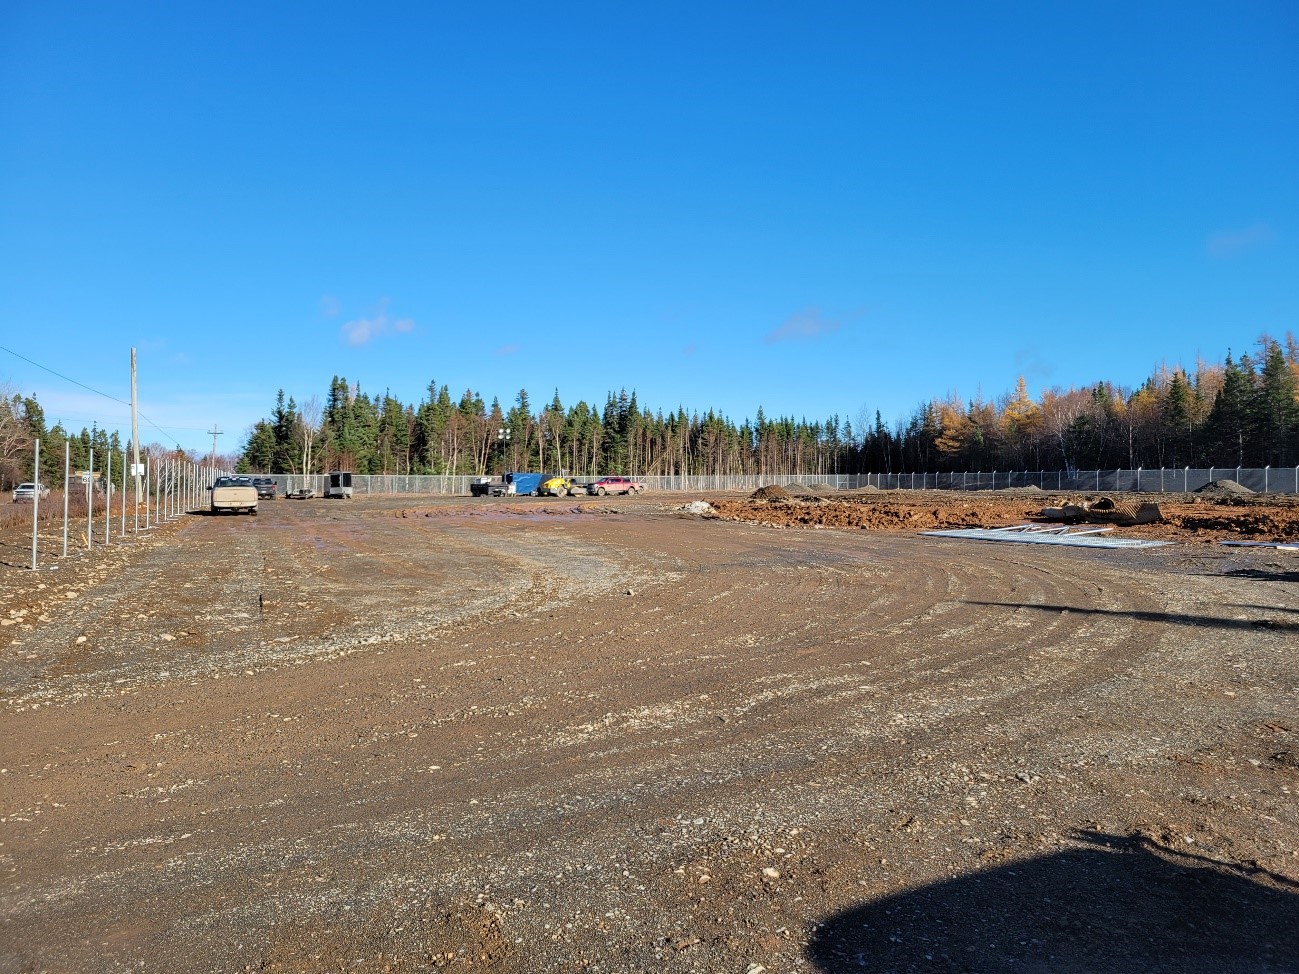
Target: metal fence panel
<point>1284,480</point>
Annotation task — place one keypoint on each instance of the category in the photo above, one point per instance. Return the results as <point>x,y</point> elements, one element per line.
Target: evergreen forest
<point>1243,411</point>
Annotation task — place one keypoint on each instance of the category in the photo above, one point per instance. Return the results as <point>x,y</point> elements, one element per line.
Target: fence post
<point>1138,480</point>
<point>1266,468</point>
<point>1186,478</point>
<point>90,502</point>
<point>67,476</point>
<point>108,495</point>
<point>36,500</point>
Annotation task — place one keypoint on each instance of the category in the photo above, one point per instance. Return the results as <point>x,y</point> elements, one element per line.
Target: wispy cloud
<point>362,331</point>
<point>330,306</point>
<point>805,326</point>
<point>511,349</point>
<point>1229,243</point>
<point>1032,364</point>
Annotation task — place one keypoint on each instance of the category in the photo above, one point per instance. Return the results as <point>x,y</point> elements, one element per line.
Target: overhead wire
<point>66,378</point>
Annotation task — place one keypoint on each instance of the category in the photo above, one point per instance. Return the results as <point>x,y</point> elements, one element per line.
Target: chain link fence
<point>1281,480</point>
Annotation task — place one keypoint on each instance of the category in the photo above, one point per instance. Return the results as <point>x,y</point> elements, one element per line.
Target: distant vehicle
<point>488,487</point>
<point>266,487</point>
<point>339,484</point>
<point>235,494</point>
<point>509,485</point>
<point>560,487</point>
<point>615,485</point>
<point>30,492</point>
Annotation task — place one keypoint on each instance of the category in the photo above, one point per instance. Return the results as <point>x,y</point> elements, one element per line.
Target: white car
<point>30,492</point>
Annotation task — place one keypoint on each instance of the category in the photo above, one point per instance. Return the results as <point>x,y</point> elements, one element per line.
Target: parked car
<point>615,485</point>
<point>266,487</point>
<point>30,492</point>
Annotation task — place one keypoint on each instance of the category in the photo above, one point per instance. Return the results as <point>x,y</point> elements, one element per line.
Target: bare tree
<point>15,440</point>
<point>308,423</point>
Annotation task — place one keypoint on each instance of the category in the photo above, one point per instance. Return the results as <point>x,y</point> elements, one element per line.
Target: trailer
<point>525,483</point>
<point>339,485</point>
<point>510,485</point>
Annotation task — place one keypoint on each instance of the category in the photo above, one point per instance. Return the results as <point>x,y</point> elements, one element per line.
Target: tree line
<point>1243,411</point>
<point>23,421</point>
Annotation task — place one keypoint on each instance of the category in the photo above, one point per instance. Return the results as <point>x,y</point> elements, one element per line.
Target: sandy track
<point>533,737</point>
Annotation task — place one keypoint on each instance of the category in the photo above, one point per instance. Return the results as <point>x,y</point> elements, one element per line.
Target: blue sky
<point>815,208</point>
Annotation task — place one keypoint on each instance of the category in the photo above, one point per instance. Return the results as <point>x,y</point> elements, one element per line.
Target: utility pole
<point>215,432</point>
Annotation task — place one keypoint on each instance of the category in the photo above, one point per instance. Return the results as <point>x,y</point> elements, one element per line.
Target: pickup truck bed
<point>235,494</point>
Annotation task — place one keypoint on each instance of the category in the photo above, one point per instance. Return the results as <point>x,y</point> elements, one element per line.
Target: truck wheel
<point>600,492</point>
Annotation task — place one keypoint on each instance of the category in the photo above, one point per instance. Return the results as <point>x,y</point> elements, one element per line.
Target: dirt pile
<point>1224,488</point>
<point>770,492</point>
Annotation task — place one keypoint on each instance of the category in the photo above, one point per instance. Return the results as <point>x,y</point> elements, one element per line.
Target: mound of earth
<point>1028,489</point>
<point>770,492</point>
<point>1224,488</point>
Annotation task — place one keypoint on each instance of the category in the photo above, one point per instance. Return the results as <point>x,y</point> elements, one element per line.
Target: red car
<point>615,485</point>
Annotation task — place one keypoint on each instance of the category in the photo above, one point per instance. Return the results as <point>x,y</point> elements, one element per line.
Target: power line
<point>63,377</point>
<point>105,395</point>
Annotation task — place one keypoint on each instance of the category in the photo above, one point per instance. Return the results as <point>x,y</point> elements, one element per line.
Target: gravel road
<point>527,736</point>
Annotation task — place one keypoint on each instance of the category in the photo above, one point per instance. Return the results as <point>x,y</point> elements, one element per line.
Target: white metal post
<point>67,487</point>
<point>36,501</point>
<point>90,502</point>
<point>108,494</point>
<point>123,531</point>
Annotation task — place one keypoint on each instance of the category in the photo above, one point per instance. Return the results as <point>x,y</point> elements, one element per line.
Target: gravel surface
<point>532,736</point>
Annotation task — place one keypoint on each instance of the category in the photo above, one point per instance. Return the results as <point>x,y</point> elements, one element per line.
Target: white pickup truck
<point>235,494</point>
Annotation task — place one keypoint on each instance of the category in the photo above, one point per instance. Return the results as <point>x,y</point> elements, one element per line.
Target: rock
<point>770,873</point>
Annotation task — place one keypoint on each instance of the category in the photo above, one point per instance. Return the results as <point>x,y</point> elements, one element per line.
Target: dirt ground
<point>399,735</point>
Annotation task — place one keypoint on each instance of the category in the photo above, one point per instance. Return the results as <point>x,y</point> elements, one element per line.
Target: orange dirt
<point>1187,518</point>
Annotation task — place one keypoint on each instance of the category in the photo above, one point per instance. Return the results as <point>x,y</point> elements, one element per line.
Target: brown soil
<point>1186,518</point>
<point>537,735</point>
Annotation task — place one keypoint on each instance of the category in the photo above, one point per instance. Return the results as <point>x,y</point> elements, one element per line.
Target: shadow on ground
<point>1119,904</point>
<point>1172,618</point>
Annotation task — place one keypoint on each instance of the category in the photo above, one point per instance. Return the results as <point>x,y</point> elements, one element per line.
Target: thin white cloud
<point>808,325</point>
<point>362,331</point>
<point>1230,243</point>
<point>330,306</point>
<point>1032,364</point>
<point>508,349</point>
